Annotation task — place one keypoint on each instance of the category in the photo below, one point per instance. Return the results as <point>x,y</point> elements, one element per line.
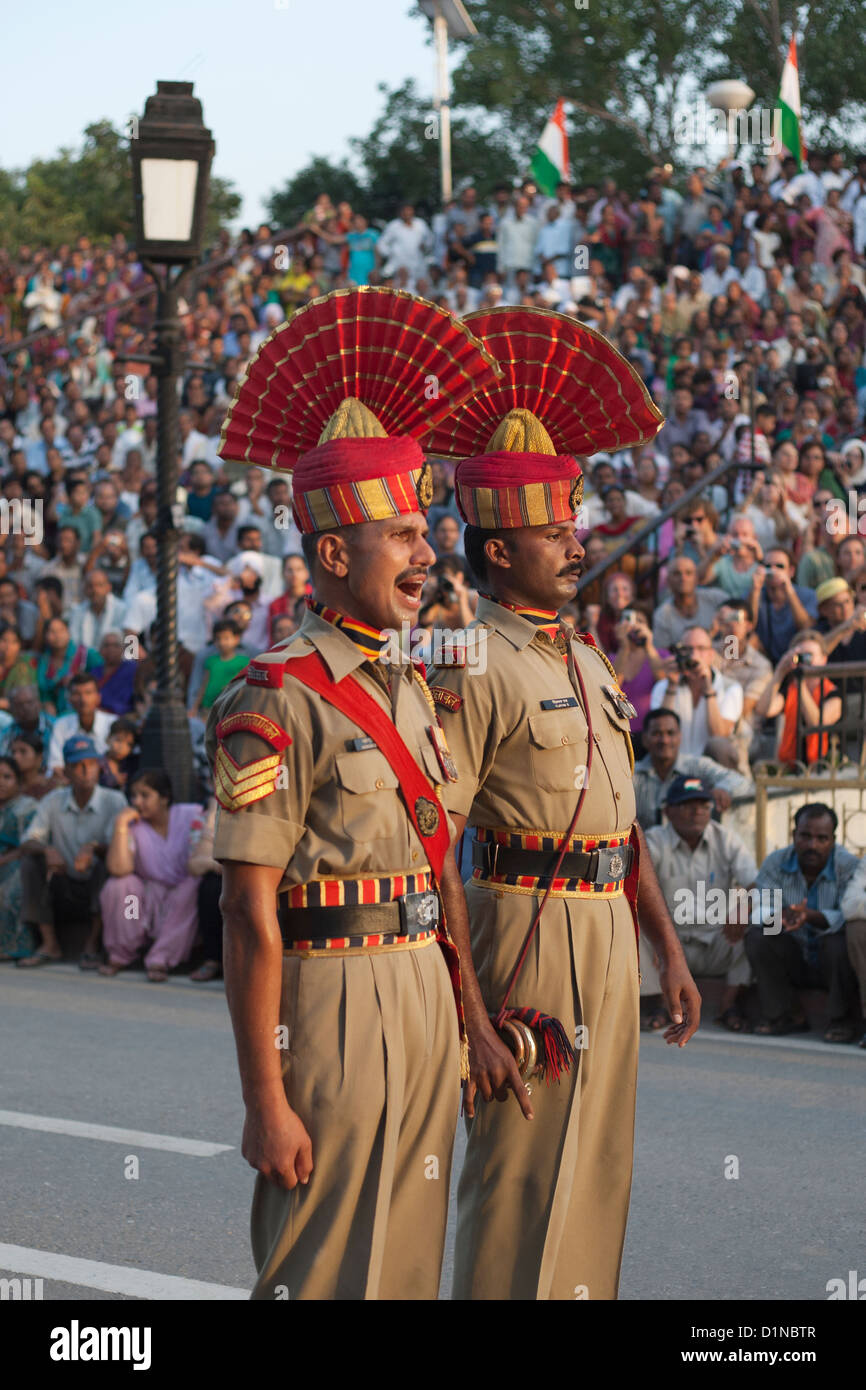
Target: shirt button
<point>379,784</point>
<point>414,855</point>
<point>565,738</point>
<point>619,796</point>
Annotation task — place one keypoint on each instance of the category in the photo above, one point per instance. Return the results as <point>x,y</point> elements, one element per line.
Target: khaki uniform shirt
<point>335,810</point>
<point>690,879</point>
<point>520,764</point>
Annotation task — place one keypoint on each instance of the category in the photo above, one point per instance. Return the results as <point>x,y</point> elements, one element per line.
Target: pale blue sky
<point>279,80</point>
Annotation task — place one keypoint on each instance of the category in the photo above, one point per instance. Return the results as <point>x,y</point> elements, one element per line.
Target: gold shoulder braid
<point>590,642</point>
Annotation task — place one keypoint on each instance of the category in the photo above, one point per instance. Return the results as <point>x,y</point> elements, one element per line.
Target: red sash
<point>419,796</point>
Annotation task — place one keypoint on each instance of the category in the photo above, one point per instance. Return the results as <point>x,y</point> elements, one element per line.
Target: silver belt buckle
<point>612,864</point>
<point>419,912</point>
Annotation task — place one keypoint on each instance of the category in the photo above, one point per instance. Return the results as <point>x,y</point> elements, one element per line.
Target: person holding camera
<point>688,607</point>
<point>638,663</point>
<point>814,698</point>
<point>778,607</point>
<point>708,704</point>
<point>450,603</point>
<point>731,562</point>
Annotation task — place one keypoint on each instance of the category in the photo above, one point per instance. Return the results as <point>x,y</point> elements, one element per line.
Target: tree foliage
<point>85,192</point>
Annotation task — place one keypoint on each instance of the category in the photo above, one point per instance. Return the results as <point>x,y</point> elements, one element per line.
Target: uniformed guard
<point>540,732</point>
<point>328,763</point>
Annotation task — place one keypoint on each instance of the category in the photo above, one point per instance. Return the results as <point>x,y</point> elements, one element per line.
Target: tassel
<point>555,1053</point>
<point>464,1060</point>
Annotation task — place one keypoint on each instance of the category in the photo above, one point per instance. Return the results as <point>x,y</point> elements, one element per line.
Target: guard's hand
<point>682,1000</point>
<point>493,1071</point>
<point>278,1146</point>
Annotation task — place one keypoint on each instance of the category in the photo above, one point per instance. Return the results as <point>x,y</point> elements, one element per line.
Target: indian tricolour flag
<point>788,138</point>
<point>550,161</point>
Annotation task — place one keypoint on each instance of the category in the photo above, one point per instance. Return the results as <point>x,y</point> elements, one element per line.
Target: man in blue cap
<point>63,857</point>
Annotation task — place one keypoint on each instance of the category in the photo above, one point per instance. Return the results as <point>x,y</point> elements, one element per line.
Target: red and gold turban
<point>341,393</point>
<point>564,392</point>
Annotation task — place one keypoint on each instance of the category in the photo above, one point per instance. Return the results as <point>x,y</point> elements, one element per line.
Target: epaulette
<point>454,657</point>
<point>267,673</point>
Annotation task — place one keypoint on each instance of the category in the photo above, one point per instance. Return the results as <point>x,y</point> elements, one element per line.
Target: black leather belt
<point>598,866</point>
<point>412,915</point>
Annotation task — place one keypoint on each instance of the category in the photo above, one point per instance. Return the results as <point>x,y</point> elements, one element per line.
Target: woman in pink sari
<point>832,226</point>
<point>150,894</point>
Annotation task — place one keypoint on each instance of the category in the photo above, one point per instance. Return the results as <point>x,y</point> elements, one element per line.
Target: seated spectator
<point>16,665</point>
<point>79,513</point>
<point>771,513</point>
<point>664,761</point>
<point>17,809</point>
<point>110,556</point>
<point>208,871</point>
<point>841,623</point>
<point>448,603</point>
<point>617,597</point>
<point>61,660</point>
<point>116,682</point>
<point>147,861</point>
<point>17,612</point>
<point>26,716</point>
<point>221,668</point>
<point>119,762</point>
<point>811,701</point>
<point>446,538</point>
<point>850,557</point>
<point>696,532</point>
<point>688,607</point>
<point>200,490</point>
<point>740,661</point>
<point>818,559</point>
<point>220,535</point>
<point>617,525</point>
<point>709,704</point>
<point>85,718</point>
<point>63,867</point>
<point>733,559</point>
<point>142,573</point>
<point>282,628</point>
<point>695,859</point>
<point>66,566</point>
<point>807,949</point>
<point>853,908</point>
<point>28,751</point>
<point>778,607</point>
<point>100,612</point>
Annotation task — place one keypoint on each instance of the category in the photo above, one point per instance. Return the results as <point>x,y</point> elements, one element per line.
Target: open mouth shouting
<point>409,587</point>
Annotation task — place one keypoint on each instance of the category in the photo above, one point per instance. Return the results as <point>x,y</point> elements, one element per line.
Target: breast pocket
<point>557,743</point>
<point>616,738</point>
<point>369,801</point>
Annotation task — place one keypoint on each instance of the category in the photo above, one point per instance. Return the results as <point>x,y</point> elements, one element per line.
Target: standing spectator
<point>687,851</point>
<point>222,668</point>
<point>516,236</point>
<point>147,861</point>
<point>79,513</point>
<point>64,864</point>
<point>16,812</point>
<point>220,535</point>
<point>807,949</point>
<point>200,490</point>
<point>296,587</point>
<point>362,242</point>
<point>405,245</point>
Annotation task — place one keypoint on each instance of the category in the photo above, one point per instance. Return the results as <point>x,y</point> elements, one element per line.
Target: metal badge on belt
<point>620,701</point>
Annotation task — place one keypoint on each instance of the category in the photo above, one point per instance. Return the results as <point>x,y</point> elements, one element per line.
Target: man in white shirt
<point>100,611</point>
<point>719,272</point>
<point>87,718</point>
<point>515,240</point>
<point>406,244</point>
<point>708,704</point>
<point>750,275</point>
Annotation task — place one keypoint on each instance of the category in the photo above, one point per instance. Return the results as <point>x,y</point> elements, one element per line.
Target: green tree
<point>85,192</point>
<point>287,205</point>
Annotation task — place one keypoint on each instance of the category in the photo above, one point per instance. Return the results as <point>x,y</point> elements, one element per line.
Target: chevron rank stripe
<point>236,786</point>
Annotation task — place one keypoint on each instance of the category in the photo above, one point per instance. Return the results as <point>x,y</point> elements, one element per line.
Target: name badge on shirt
<point>560,702</point>
<point>443,752</point>
<point>359,745</point>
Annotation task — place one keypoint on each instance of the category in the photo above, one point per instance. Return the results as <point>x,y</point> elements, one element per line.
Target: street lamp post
<point>450,20</point>
<point>171,152</point>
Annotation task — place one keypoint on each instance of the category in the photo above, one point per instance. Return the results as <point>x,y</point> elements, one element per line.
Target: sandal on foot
<point>779,1027</point>
<point>654,1022</point>
<point>734,1020</point>
<point>112,967</point>
<point>89,960</point>
<point>840,1033</point>
<point>38,958</point>
<point>208,970</point>
<point>157,975</point>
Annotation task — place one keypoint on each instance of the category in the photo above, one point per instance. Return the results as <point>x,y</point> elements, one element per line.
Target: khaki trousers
<point>710,955</point>
<point>542,1204</point>
<point>373,1071</point>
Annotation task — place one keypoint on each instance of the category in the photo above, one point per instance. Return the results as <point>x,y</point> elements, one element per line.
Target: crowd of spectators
<point>740,298</point>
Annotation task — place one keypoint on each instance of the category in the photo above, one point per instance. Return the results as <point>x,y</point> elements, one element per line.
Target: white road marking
<point>798,1043</point>
<point>93,1274</point>
<point>110,1134</point>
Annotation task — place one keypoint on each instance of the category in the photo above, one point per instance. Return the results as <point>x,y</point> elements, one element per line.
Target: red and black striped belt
<point>412,915</point>
<point>598,866</point>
